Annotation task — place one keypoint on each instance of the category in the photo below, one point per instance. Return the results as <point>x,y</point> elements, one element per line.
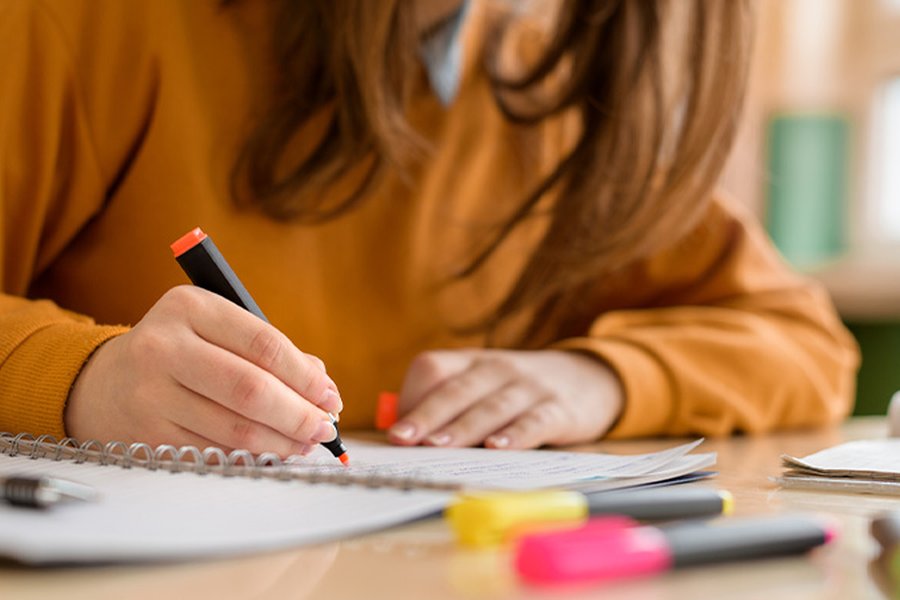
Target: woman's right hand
<point>200,370</point>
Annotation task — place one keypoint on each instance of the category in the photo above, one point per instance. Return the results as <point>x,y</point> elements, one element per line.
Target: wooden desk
<point>420,561</point>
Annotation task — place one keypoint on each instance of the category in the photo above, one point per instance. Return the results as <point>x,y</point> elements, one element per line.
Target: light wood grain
<point>421,561</point>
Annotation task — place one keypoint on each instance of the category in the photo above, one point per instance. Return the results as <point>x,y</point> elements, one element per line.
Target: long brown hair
<point>657,86</point>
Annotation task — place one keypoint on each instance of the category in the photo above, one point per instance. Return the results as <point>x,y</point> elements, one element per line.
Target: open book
<point>170,504</point>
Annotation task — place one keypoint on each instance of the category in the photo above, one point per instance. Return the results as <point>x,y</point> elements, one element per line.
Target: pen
<point>208,269</point>
<point>615,548</point>
<point>886,530</point>
<point>42,492</point>
<point>490,518</point>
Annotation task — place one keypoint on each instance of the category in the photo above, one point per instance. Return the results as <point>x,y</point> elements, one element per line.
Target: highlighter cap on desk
<point>491,518</point>
<point>605,548</point>
<point>386,410</point>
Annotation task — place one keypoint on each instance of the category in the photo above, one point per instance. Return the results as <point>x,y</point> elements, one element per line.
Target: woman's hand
<point>506,399</point>
<point>200,370</point>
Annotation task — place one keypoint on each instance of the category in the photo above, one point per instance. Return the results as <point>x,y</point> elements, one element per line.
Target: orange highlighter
<point>207,268</point>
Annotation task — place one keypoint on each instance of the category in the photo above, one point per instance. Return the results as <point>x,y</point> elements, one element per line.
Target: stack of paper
<point>482,469</point>
<point>868,466</point>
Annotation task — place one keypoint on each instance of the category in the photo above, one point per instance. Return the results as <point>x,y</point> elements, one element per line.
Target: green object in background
<point>879,376</point>
<point>807,164</point>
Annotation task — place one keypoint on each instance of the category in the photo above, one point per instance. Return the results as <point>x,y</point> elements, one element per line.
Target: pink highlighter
<point>618,548</point>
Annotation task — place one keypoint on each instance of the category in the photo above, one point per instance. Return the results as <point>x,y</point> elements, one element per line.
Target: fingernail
<point>497,441</point>
<point>404,431</point>
<point>335,418</point>
<point>325,432</point>
<point>331,401</point>
<point>439,439</point>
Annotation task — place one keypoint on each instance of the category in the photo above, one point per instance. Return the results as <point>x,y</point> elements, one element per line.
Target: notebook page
<point>496,469</point>
<point>156,515</point>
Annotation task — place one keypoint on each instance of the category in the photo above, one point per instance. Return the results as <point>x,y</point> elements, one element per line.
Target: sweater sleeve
<point>51,185</point>
<point>726,338</point>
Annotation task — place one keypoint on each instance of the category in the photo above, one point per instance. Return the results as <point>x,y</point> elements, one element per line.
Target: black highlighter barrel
<point>208,269</point>
<point>744,539</point>
<point>661,503</point>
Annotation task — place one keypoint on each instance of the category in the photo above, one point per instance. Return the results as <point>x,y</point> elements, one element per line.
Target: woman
<point>538,261</point>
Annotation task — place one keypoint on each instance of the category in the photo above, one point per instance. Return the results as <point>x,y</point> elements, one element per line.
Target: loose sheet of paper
<point>680,467</point>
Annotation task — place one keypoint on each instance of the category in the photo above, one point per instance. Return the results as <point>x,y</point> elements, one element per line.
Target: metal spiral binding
<point>211,460</point>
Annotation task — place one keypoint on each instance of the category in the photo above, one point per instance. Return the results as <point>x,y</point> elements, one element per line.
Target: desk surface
<point>421,561</point>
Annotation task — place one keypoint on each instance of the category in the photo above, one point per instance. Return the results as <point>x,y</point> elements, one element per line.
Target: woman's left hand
<point>506,399</point>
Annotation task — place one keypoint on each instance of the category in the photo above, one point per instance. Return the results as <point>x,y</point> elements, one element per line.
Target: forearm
<point>715,370</point>
<point>42,350</point>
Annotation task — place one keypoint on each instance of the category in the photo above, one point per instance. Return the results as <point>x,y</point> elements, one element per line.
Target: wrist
<point>79,416</point>
<point>604,389</point>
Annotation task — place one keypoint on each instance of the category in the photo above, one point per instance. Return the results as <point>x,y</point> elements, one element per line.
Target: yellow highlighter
<point>491,518</point>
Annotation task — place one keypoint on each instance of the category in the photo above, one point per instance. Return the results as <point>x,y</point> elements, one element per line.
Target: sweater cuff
<point>648,404</point>
<point>38,375</point>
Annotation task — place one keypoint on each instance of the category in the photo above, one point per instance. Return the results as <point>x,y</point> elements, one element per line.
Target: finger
<point>246,389</point>
<point>170,433</point>
<point>540,424</point>
<point>451,398</point>
<point>227,325</point>
<point>489,414</point>
<point>227,429</point>
<point>429,370</point>
<point>317,361</point>
<point>186,437</point>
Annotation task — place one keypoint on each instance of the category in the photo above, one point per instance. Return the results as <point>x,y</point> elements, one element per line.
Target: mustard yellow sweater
<point>120,122</point>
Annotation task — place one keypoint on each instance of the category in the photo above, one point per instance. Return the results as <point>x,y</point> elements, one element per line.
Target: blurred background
<point>818,159</point>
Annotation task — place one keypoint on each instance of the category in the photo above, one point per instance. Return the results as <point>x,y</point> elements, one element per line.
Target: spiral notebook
<point>166,503</point>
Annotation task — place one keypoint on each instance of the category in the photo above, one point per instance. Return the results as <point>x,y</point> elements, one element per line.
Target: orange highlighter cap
<point>386,410</point>
<point>187,241</point>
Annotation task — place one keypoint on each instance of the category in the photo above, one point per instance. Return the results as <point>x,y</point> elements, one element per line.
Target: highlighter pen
<point>208,269</point>
<point>42,492</point>
<point>490,518</point>
<point>886,530</point>
<point>612,548</point>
